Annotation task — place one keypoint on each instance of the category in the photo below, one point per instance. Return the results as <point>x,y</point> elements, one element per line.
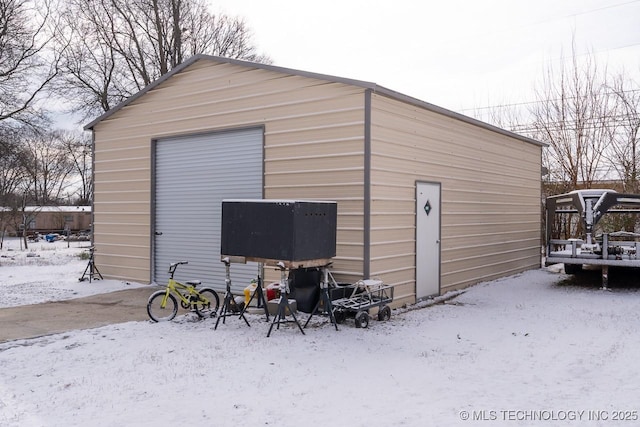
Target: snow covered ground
<point>47,271</point>
<point>528,350</point>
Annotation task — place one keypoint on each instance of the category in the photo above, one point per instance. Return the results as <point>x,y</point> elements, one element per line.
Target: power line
<point>517,104</point>
<point>550,19</point>
<point>563,59</point>
<point>608,7</point>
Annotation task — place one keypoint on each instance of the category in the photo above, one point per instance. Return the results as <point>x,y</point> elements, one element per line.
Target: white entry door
<point>427,239</point>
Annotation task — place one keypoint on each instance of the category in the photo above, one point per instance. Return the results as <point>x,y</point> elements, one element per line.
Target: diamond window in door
<point>427,207</point>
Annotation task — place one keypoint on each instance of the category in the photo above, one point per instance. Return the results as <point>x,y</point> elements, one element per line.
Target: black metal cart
<point>363,296</point>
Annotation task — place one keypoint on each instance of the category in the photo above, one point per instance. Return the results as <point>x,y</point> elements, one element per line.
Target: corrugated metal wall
<point>314,137</point>
<point>315,132</point>
<point>490,196</point>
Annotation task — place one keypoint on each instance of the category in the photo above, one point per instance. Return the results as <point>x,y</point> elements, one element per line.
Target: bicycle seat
<point>194,283</point>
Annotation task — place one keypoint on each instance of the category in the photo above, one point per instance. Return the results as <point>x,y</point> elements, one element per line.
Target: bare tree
<point>504,114</point>
<point>114,48</point>
<point>571,114</point>
<point>47,166</point>
<point>624,154</point>
<point>26,65</point>
<point>12,174</point>
<point>77,145</point>
<point>11,161</point>
<point>574,113</point>
<point>15,179</point>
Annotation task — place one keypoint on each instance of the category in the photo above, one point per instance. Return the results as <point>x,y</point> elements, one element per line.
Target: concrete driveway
<point>31,321</point>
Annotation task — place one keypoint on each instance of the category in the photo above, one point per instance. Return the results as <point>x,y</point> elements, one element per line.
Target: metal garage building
<point>428,199</point>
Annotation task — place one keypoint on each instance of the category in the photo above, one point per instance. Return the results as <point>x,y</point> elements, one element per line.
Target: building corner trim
<point>367,185</point>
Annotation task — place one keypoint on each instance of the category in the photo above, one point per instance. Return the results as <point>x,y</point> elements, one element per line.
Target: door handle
<point>158,233</point>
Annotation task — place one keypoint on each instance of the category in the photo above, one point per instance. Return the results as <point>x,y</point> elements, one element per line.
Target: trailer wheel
<point>340,316</point>
<point>572,268</point>
<point>362,319</point>
<point>384,313</point>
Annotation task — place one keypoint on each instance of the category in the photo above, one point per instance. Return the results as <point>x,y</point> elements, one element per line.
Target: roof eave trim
<point>143,91</point>
<point>359,83</point>
<point>193,59</point>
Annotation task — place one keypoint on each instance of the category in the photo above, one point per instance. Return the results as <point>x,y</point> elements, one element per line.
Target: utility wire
<point>547,20</point>
<point>551,19</point>
<point>517,104</point>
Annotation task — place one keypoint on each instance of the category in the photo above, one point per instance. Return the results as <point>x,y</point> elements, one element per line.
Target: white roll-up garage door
<point>193,174</point>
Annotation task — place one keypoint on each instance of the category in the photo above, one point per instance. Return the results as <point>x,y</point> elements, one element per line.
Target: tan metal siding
<point>314,149</point>
<point>490,196</point>
<point>314,139</point>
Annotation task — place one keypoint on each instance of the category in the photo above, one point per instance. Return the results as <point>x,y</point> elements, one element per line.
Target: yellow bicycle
<point>163,304</point>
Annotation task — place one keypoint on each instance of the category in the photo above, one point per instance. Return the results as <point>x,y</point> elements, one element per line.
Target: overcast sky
<point>458,54</point>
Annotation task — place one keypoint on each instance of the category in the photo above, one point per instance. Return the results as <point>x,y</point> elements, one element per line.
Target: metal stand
<point>283,305</point>
<point>229,303</point>
<point>605,275</point>
<point>261,301</point>
<point>91,268</point>
<point>324,299</point>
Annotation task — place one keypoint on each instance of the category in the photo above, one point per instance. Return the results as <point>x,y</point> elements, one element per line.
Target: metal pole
<point>605,278</point>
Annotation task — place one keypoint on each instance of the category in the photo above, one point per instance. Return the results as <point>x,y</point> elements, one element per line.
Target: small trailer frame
<point>620,248</point>
<point>365,295</point>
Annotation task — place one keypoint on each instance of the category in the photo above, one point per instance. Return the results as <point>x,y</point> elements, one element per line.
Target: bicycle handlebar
<point>174,265</point>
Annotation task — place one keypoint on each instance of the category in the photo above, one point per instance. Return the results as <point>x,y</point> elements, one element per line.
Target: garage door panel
<point>192,175</point>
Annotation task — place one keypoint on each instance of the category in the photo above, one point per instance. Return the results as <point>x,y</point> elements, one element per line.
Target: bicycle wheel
<point>157,312</point>
<point>209,308</point>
